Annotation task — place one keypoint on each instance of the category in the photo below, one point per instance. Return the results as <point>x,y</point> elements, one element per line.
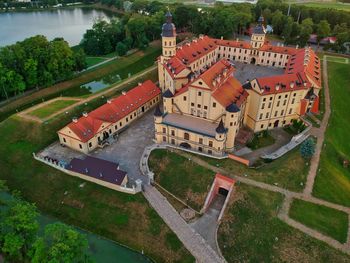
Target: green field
<point>333,5</point>
<point>251,232</point>
<point>182,177</point>
<point>333,180</point>
<point>51,108</point>
<point>90,61</point>
<point>289,171</point>
<point>121,217</point>
<point>331,222</point>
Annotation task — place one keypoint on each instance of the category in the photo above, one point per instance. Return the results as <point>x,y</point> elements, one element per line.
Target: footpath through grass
<point>332,182</point>
<point>251,232</point>
<point>51,108</point>
<point>127,219</point>
<point>183,178</point>
<point>331,222</point>
<point>333,5</point>
<point>289,171</point>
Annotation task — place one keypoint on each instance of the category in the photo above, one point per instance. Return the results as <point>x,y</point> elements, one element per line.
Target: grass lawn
<point>289,171</point>
<point>182,177</point>
<point>331,222</point>
<point>251,232</point>
<point>127,219</point>
<point>333,180</point>
<point>51,108</point>
<point>333,5</point>
<point>90,61</point>
<point>261,139</point>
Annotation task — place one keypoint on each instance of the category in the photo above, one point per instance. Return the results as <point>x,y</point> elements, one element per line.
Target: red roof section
<point>315,105</point>
<point>174,66</point>
<point>233,43</point>
<point>283,83</point>
<point>305,60</point>
<point>114,110</point>
<point>231,91</point>
<point>198,48</point>
<point>217,74</point>
<point>278,49</point>
<point>303,106</point>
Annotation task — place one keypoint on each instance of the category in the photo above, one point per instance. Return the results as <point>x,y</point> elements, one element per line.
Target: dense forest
<point>37,62</point>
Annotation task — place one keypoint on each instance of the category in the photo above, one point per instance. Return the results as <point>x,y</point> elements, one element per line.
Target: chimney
<point>201,36</point>
<point>292,84</point>
<point>139,83</point>
<point>297,46</point>
<point>277,86</point>
<point>86,170</point>
<point>214,82</point>
<point>221,37</point>
<point>85,114</point>
<point>123,92</point>
<point>101,175</point>
<point>75,120</point>
<point>109,101</point>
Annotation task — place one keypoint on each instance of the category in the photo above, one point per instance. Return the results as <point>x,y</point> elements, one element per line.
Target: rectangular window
<point>199,93</point>
<point>214,104</point>
<point>267,114</point>
<point>192,104</point>
<point>90,144</point>
<point>164,139</point>
<point>210,143</point>
<point>64,140</point>
<point>261,115</point>
<point>200,140</point>
<point>205,107</point>
<point>172,141</point>
<point>293,101</point>
<point>282,112</point>
<point>284,102</point>
<point>290,111</point>
<point>263,106</point>
<point>172,133</point>
<point>127,119</point>
<point>278,103</point>
<point>81,147</point>
<point>276,112</point>
<point>184,98</point>
<point>164,130</point>
<point>262,126</point>
<point>270,105</point>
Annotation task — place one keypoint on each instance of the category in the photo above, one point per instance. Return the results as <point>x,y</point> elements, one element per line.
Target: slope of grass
<point>182,177</point>
<point>251,232</point>
<point>289,171</point>
<point>51,108</point>
<point>90,61</point>
<point>331,222</point>
<point>332,5</point>
<point>333,180</point>
<point>127,219</point>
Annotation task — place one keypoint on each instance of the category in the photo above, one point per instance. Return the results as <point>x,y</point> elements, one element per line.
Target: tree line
<point>20,240</point>
<point>35,63</point>
<point>143,19</point>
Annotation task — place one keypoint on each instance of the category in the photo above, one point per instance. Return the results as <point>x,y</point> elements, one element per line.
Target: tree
<point>79,60</point>
<point>121,49</point>
<point>306,30</point>
<point>323,30</point>
<point>60,243</point>
<point>307,148</point>
<point>18,229</point>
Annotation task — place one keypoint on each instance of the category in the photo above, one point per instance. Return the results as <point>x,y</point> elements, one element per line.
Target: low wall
<point>239,159</point>
<point>115,187</point>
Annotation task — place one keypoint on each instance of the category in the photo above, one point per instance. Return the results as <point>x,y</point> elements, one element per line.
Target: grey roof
<point>259,29</point>
<point>221,127</point>
<point>168,94</point>
<point>168,28</point>
<point>232,108</point>
<point>98,169</point>
<point>190,123</point>
<point>158,112</point>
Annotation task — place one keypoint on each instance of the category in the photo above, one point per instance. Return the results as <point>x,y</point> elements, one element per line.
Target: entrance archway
<point>276,123</point>
<point>223,191</point>
<point>185,145</point>
<point>252,61</point>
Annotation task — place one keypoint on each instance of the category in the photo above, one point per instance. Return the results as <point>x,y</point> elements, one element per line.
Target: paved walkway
<point>191,240</point>
<point>81,101</point>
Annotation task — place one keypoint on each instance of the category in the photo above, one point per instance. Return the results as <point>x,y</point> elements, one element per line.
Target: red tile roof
<point>278,49</point>
<point>233,43</point>
<point>305,60</point>
<point>114,110</point>
<point>283,83</point>
<point>174,66</point>
<point>196,49</point>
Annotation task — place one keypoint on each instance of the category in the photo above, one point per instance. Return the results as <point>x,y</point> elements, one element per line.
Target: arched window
<point>186,136</point>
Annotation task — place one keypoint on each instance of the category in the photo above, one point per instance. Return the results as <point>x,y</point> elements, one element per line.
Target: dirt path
<point>25,114</point>
<point>319,132</point>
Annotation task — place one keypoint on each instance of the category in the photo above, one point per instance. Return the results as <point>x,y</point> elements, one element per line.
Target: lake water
<point>70,24</point>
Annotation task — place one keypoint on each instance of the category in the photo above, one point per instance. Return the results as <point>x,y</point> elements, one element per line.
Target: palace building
<point>99,127</point>
<point>205,106</point>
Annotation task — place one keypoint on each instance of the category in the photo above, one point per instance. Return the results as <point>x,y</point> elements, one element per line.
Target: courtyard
<point>246,72</point>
